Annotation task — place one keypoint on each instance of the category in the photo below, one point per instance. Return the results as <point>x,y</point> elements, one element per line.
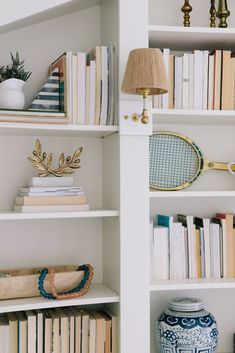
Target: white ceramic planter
<point>11,94</point>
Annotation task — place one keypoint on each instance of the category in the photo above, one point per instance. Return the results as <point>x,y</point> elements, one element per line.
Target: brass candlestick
<point>223,13</point>
<point>186,9</point>
<point>213,14</point>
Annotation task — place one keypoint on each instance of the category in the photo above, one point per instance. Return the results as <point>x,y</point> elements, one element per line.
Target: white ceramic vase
<point>11,94</point>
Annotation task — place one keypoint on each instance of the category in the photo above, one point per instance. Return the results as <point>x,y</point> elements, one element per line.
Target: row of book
<point>192,247</point>
<point>60,330</point>
<point>51,194</point>
<point>198,80</point>
<point>87,86</point>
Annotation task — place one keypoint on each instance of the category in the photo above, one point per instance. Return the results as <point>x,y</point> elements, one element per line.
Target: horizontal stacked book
<point>60,330</point>
<point>199,80</point>
<point>51,195</point>
<point>192,247</point>
<point>37,117</point>
<point>87,86</point>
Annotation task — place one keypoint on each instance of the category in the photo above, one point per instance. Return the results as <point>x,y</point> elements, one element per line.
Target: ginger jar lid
<point>186,304</point>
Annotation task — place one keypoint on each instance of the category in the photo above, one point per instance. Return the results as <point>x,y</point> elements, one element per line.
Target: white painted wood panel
<point>98,294</point>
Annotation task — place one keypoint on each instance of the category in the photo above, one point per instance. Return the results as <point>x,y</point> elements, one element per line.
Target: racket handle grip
<point>220,166</point>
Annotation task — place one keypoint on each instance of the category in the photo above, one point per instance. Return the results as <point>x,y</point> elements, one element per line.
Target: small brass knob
<point>135,117</point>
<point>126,117</point>
<point>145,120</point>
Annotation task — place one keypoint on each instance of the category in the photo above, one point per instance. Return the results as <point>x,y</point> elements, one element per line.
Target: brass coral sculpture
<point>41,161</point>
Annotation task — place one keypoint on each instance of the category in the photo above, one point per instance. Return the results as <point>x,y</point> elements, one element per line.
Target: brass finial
<point>42,161</point>
<point>223,13</point>
<point>186,9</point>
<point>213,14</point>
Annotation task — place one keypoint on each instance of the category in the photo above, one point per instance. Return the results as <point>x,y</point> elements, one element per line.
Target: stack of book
<point>60,330</point>
<point>51,194</point>
<point>87,86</point>
<point>192,247</point>
<point>38,117</point>
<point>199,80</point>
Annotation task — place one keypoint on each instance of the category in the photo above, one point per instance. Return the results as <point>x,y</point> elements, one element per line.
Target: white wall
<point>42,43</point>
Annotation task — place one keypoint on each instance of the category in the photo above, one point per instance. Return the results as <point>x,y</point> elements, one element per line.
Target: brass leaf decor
<point>41,161</point>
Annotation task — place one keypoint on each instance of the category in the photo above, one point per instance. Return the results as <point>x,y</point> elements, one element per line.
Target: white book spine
<point>178,252</point>
<point>178,82</point>
<point>191,82</point>
<point>81,87</point>
<point>185,81</point>
<point>211,82</point>
<point>51,181</point>
<point>161,252</point>
<point>32,334</point>
<point>87,96</point>
<point>39,332</point>
<point>74,89</point>
<point>104,86</point>
<point>186,252</point>
<point>92,336</point>
<point>192,247</point>
<point>166,59</point>
<point>205,79</point>
<point>198,79</point>
<point>215,250</point>
<point>92,93</point>
<point>224,236</point>
<point>69,85</point>
<point>206,227</point>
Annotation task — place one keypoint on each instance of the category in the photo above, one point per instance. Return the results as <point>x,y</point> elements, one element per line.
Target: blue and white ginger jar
<point>185,327</point>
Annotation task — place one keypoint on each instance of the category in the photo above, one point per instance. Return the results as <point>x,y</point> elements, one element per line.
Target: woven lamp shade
<point>145,69</point>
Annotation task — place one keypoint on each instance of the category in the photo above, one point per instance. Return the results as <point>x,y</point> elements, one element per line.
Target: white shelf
<point>193,194</point>
<point>4,216</point>
<point>97,294</point>
<point>201,283</point>
<point>193,117</point>
<point>191,37</point>
<point>30,129</point>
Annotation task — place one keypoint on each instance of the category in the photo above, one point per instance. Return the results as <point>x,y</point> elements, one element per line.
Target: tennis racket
<point>176,161</point>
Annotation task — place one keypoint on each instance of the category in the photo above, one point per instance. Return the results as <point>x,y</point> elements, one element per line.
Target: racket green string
<point>173,161</point>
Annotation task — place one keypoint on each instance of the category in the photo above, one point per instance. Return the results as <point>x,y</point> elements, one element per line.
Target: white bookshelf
<point>57,238</point>
<point>190,194</point>
<point>190,38</point>
<point>98,294</point>
<point>188,284</point>
<point>193,117</point>
<point>212,131</point>
<point>113,236</point>
<point>4,216</point>
<point>30,129</point>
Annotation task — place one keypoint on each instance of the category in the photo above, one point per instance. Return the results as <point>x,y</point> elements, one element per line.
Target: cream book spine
<point>31,332</point>
<point>205,79</point>
<point>166,59</point>
<point>49,200</point>
<point>74,90</point>
<point>55,208</point>
<point>81,88</point>
<point>13,332</point>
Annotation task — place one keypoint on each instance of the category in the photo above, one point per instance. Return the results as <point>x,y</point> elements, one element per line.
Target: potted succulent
<point>12,80</point>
